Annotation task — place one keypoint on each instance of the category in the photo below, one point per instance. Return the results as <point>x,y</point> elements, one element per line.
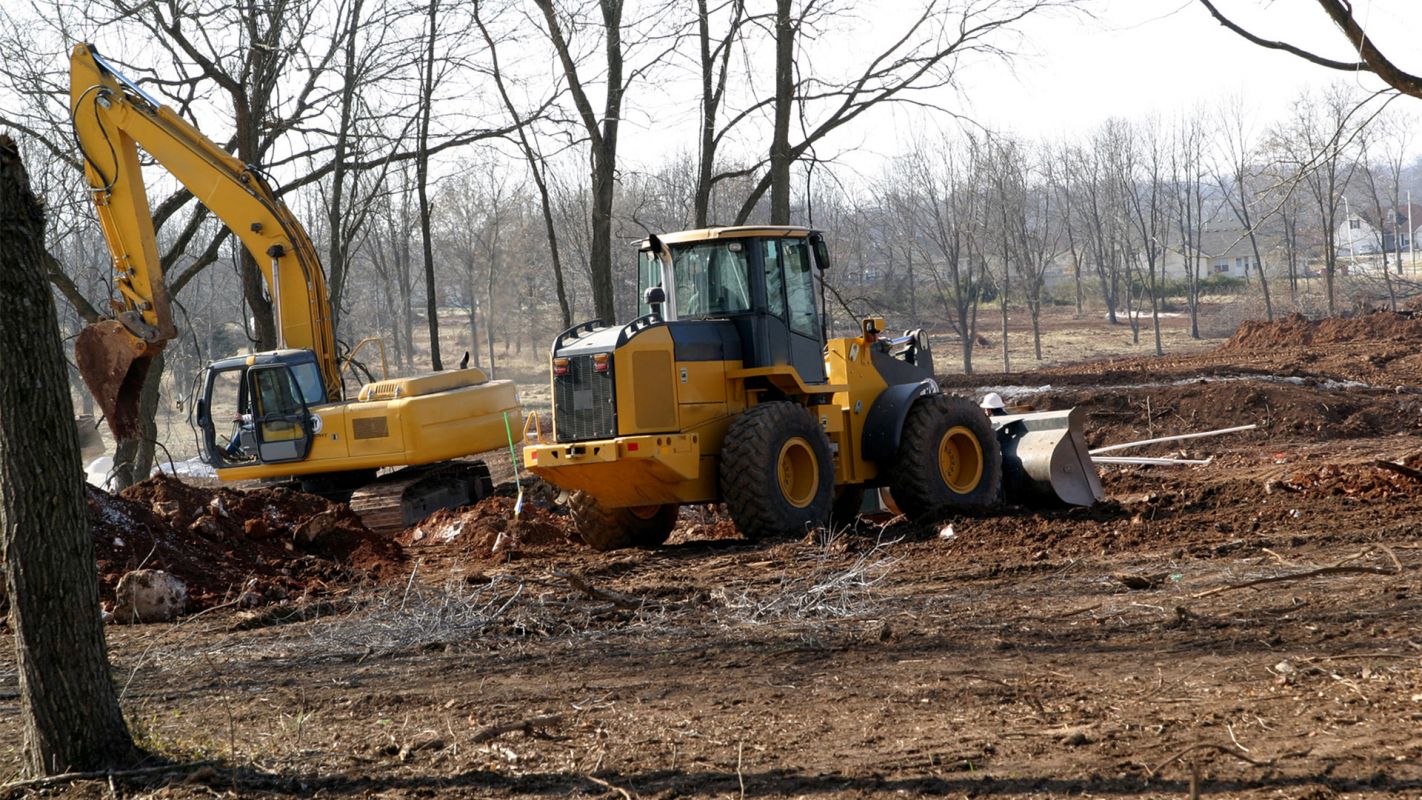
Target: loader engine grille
<point>584,406</point>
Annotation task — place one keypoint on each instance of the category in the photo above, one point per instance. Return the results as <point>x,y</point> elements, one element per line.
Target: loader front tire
<point>948,457</point>
<point>777,476</point>
<point>606,528</point>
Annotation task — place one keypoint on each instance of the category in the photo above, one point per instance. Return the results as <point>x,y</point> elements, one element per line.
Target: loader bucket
<point>113,363</point>
<point>1045,460</point>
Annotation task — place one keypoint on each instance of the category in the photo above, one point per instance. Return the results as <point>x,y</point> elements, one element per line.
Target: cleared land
<point>1250,626</point>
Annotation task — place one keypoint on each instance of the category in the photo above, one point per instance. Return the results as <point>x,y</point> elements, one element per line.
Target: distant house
<point>1357,235</point>
<point>1399,228</point>
<point>1225,250</point>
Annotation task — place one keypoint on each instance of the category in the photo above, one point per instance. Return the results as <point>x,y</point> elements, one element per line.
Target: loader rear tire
<point>948,457</point>
<point>777,476</point>
<point>606,528</point>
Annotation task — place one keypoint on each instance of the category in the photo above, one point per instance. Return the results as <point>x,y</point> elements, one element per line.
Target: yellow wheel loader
<point>726,389</point>
<point>283,414</point>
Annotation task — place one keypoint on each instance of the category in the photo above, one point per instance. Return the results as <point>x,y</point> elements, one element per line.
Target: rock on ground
<point>149,595</point>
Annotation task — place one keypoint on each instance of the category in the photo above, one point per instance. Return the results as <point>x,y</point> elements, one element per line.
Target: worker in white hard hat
<point>992,405</point>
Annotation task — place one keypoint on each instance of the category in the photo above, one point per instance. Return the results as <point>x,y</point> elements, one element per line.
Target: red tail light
<point>560,367</point>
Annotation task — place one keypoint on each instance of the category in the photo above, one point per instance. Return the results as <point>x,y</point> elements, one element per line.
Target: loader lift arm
<point>112,118</point>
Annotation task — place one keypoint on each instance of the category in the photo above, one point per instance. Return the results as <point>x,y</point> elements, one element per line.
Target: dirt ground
<point>1251,627</point>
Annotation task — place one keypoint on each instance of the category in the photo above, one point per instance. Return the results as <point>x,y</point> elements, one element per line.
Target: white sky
<point>1127,58</point>
<point>1165,56</point>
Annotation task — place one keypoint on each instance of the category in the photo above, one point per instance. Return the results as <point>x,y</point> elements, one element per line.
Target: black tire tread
<point>914,479</point>
<point>748,468</point>
<point>604,528</point>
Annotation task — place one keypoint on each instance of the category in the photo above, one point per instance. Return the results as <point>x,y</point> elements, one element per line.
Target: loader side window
<point>649,274</point>
<point>774,279</point>
<point>799,287</point>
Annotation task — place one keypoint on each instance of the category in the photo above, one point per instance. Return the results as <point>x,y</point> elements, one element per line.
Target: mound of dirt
<point>266,545</point>
<point>1125,413</point>
<point>1297,330</point>
<point>490,527</point>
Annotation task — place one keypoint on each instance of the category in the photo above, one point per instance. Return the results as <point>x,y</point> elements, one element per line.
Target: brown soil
<point>488,527</point>
<point>224,542</point>
<point>1111,651</point>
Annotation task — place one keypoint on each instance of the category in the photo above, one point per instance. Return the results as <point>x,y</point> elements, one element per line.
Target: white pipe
<point>1148,460</point>
<point>1175,438</point>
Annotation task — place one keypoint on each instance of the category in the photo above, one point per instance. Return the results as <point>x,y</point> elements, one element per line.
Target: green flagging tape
<point>518,504</point>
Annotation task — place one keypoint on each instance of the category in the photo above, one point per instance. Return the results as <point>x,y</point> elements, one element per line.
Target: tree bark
<point>422,170</point>
<point>780,155</point>
<point>133,458</point>
<point>69,709</point>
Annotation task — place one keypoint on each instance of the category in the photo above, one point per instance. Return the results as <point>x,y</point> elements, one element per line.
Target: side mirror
<point>654,297</point>
<point>201,412</point>
<point>822,257</point>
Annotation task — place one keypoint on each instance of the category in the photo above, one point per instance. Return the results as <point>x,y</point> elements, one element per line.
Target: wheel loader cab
<point>256,409</point>
<point>762,281</point>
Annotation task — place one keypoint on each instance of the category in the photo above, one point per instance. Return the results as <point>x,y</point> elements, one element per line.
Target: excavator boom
<point>112,118</point>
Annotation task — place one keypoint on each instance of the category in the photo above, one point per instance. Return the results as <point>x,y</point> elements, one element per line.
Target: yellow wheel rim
<point>799,472</point>
<point>960,459</point>
<point>643,512</point>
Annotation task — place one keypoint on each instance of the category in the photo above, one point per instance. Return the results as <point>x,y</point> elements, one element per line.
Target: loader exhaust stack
<point>114,363</point>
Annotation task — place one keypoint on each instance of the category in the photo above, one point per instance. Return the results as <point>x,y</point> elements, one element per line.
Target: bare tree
<point>946,206</point>
<point>602,130</point>
<point>537,166</point>
<point>69,709</point>
<point>1236,181</point>
<point>923,55</point>
<point>1357,40</point>
<point>1318,142</point>
<point>1147,208</point>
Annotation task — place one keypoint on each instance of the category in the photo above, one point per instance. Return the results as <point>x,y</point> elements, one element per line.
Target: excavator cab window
<point>279,414</point>
<point>227,403</point>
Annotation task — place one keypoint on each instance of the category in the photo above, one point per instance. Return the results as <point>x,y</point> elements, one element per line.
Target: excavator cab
<point>264,398</point>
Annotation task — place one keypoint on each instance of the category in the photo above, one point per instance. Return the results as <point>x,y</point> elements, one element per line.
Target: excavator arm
<point>112,118</point>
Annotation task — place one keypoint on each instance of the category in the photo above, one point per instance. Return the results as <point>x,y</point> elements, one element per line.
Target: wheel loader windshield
<point>712,278</point>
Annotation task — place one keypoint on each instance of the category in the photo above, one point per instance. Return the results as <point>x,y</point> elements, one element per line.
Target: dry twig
<point>600,782</point>
<point>1339,568</point>
<point>109,774</point>
<point>525,725</point>
<point>597,593</point>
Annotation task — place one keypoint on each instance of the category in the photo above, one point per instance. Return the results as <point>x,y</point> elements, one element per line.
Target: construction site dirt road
<point>1247,627</point>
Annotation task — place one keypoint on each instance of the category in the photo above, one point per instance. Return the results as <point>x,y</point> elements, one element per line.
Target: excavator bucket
<point>113,363</point>
<point>1045,459</point>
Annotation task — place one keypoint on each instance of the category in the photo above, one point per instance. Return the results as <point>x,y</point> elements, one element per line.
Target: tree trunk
<point>133,459</point>
<point>780,156</point>
<point>69,710</point>
<point>422,180</point>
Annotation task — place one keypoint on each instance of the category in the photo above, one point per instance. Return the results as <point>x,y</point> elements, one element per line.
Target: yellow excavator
<point>387,447</point>
<point>727,389</point>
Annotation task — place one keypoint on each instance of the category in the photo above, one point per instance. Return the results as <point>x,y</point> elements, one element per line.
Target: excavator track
<point>394,502</point>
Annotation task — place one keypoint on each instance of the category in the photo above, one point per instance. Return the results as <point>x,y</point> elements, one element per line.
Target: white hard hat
<point>993,400</point>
